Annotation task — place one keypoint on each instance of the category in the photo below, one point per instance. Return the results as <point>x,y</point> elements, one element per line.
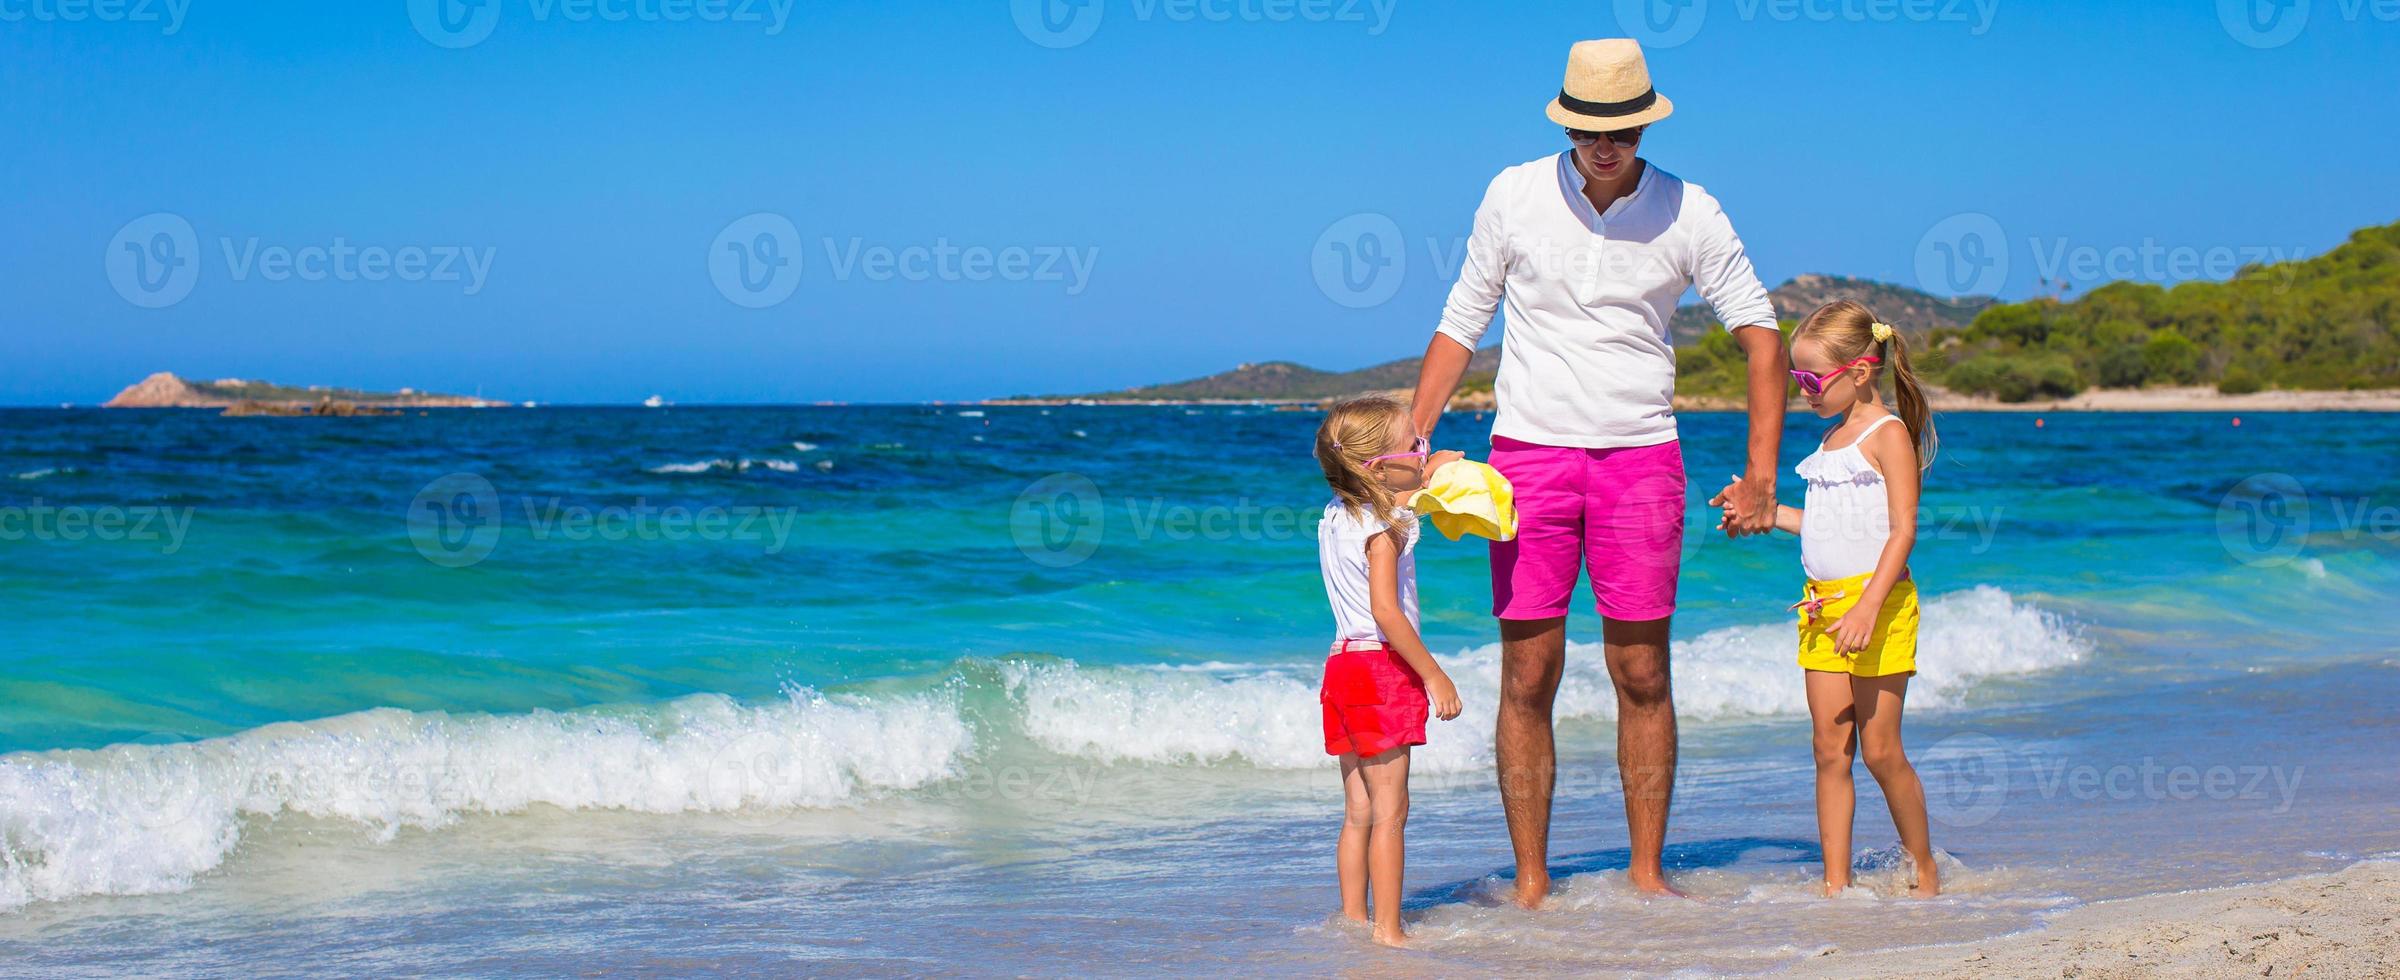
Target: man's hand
<point>1722,500</point>
<point>1749,504</point>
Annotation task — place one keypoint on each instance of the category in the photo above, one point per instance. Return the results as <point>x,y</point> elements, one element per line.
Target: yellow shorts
<point>1891,648</point>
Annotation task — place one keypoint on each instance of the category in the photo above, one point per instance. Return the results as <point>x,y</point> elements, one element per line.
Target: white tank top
<point>1342,556</point>
<point>1847,517</point>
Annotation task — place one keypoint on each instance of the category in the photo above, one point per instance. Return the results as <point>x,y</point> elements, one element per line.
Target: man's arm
<point>1753,498</point>
<point>1722,272</point>
<point>1437,379</point>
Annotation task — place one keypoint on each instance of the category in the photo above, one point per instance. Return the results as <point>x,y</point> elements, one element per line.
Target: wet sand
<point>2345,924</point>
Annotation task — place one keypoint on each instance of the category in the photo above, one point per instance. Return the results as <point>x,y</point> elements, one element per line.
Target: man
<point>1591,249</point>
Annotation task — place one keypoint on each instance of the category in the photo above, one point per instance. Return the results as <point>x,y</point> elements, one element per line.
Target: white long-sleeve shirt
<point>1586,360</point>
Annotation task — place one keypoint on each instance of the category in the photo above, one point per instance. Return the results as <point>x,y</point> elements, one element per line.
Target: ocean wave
<point>1270,720</point>
<point>44,472</point>
<point>142,819</point>
<point>703,466</point>
<point>136,819</point>
<point>723,465</point>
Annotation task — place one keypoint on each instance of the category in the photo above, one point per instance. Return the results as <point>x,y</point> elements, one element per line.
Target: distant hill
<point>166,390</point>
<point>1284,381</point>
<point>1288,382</point>
<point>2327,322</point>
<point>1914,309</point>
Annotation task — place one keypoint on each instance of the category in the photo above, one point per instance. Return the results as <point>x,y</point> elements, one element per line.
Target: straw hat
<point>1608,88</point>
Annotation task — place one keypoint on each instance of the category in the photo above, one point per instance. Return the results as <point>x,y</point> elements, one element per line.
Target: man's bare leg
<point>1637,666</point>
<point>1532,654</point>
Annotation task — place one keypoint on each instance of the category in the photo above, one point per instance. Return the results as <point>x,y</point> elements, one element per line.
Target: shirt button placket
<point>1596,250</point>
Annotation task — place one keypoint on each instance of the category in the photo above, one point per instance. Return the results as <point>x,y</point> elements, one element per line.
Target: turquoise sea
<point>1020,690</point>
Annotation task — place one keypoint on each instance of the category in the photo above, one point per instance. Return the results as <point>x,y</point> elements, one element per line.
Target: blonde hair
<point>1847,331</point>
<point>1354,432</point>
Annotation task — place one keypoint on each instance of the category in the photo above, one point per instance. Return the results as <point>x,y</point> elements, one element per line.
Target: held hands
<point>1749,507</point>
<point>1443,694</point>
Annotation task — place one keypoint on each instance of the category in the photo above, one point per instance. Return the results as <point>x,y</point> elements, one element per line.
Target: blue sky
<point>564,200</point>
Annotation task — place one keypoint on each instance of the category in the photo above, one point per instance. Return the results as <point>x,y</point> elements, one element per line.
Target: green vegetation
<point>2332,321</point>
<point>1715,367</point>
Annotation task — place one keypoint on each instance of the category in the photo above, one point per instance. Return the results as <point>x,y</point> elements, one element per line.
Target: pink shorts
<point>1616,512</point>
<point>1374,701</point>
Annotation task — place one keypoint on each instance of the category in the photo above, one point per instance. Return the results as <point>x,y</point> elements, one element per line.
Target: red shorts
<point>1374,701</point>
<point>1614,513</point>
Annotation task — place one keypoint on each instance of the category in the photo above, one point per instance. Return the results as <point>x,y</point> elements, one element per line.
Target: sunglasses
<point>1422,451</point>
<point>1815,383</point>
<point>1621,137</point>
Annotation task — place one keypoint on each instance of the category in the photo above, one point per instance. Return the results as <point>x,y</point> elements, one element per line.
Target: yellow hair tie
<point>1882,332</point>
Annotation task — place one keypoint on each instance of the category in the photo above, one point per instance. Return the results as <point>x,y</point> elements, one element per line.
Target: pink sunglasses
<point>1422,451</point>
<point>1815,383</point>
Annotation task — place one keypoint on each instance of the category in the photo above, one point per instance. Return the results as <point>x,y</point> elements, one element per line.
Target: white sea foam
<point>136,819</point>
<point>38,474</point>
<point>804,446</point>
<point>702,466</point>
<point>139,819</point>
<point>1270,720</point>
<point>716,465</point>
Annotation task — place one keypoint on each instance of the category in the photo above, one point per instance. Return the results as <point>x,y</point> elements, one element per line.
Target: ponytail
<point>1915,412</point>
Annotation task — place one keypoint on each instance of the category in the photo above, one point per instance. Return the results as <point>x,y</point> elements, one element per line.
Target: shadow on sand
<point>1678,857</point>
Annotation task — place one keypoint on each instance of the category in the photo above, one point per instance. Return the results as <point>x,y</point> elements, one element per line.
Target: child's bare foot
<point>1392,937</point>
<point>1928,883</point>
<point>1651,883</point>
<point>1834,890</point>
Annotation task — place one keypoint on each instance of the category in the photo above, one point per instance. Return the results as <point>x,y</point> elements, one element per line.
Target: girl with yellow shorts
<point>1858,612</point>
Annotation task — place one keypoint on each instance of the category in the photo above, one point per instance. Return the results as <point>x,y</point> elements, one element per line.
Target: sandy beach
<point>2193,398</point>
<point>2183,399</point>
<point>2345,924</point>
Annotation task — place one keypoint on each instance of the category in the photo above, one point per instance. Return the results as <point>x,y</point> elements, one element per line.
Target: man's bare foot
<point>1532,891</point>
<point>1653,883</point>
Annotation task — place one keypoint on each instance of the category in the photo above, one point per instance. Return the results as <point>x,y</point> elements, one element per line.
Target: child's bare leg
<point>1350,855</point>
<point>1387,794</point>
<point>1832,717</point>
<point>1879,702</point>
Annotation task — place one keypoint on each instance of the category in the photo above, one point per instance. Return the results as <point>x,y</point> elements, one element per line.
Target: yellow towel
<point>1467,497</point>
